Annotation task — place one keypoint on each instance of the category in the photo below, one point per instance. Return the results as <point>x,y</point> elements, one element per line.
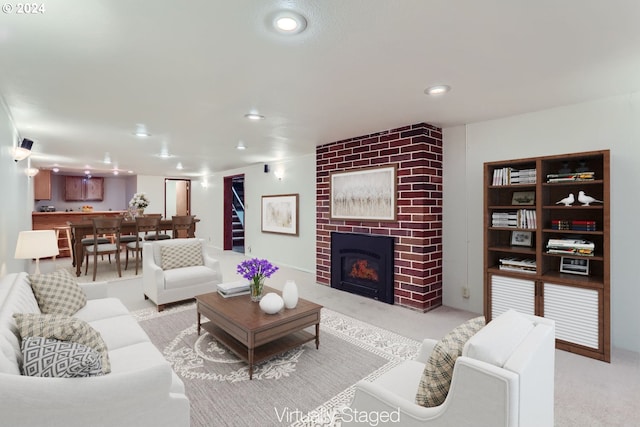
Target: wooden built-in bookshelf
<point>579,301</point>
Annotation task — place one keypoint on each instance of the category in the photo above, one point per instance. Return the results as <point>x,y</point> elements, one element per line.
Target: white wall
<point>299,177</point>
<point>17,196</point>
<point>612,123</point>
<point>207,204</point>
<point>153,187</point>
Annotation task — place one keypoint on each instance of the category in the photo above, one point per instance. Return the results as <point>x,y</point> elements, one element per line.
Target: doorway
<point>177,197</point>
<point>234,213</point>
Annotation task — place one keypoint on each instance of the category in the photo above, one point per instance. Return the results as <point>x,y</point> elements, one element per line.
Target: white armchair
<point>178,269</point>
<point>505,377</point>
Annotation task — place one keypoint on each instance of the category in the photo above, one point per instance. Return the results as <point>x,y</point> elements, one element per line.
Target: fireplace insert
<point>363,264</point>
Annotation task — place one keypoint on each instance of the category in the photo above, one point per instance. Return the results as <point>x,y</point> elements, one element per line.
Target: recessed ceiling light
<point>254,116</point>
<point>141,131</point>
<point>55,170</point>
<point>87,172</point>
<point>129,171</point>
<point>437,90</point>
<point>107,159</point>
<point>179,166</point>
<point>241,146</point>
<point>116,172</point>
<point>289,22</point>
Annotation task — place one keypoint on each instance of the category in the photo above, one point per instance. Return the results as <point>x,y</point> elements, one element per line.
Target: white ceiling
<point>80,76</point>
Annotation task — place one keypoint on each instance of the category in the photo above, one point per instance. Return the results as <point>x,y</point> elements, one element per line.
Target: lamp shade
<point>36,244</point>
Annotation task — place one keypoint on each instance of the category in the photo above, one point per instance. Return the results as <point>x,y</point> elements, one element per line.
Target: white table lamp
<point>36,244</point>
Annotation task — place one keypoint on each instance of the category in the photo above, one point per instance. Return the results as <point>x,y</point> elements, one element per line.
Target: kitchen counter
<point>48,220</point>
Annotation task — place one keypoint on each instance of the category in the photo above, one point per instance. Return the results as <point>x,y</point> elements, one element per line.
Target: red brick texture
<point>416,150</point>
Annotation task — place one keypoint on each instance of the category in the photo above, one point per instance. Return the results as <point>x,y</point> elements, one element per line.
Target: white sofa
<point>505,377</point>
<point>163,286</point>
<point>141,390</point>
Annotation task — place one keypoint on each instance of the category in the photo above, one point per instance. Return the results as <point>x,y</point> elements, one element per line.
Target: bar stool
<point>66,238</point>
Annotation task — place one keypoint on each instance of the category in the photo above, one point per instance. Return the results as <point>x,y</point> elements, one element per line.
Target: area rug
<point>301,387</point>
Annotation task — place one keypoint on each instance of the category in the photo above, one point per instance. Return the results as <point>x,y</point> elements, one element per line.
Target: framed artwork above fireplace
<point>367,194</point>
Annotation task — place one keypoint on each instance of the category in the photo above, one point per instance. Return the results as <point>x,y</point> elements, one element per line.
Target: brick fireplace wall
<point>417,152</point>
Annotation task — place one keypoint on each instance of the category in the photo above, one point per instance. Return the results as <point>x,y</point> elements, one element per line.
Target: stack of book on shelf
<point>522,218</point>
<point>570,247</point>
<point>233,289</point>
<point>520,265</point>
<point>568,177</point>
<point>583,225</point>
<point>511,176</point>
<point>560,224</point>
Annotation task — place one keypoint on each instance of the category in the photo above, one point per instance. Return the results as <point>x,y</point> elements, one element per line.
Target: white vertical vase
<point>290,294</point>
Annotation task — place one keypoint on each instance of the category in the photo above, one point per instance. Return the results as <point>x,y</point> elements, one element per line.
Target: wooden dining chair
<point>180,223</point>
<point>158,236</point>
<point>102,226</point>
<point>147,226</point>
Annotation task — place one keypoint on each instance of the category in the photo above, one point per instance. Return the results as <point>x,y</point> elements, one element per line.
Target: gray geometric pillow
<point>44,357</point>
<point>438,372</point>
<point>63,328</point>
<point>184,255</point>
<point>58,292</point>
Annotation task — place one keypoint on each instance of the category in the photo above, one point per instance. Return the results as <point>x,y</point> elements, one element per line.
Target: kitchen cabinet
<point>79,188</point>
<point>42,185</point>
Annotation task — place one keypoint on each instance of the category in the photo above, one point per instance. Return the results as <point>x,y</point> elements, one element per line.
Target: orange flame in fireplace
<point>360,270</point>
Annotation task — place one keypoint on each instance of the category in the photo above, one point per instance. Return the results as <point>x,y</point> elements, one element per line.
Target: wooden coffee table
<point>250,333</point>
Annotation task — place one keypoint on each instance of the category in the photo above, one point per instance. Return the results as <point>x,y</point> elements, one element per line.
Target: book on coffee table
<point>233,289</point>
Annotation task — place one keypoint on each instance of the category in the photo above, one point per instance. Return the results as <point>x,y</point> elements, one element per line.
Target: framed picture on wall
<point>367,194</point>
<point>280,214</point>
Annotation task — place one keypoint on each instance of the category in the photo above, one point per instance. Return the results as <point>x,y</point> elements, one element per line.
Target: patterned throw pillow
<point>45,357</point>
<point>438,372</point>
<point>184,255</point>
<point>63,328</point>
<point>57,292</point>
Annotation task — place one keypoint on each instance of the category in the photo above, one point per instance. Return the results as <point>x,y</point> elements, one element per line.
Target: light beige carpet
<point>301,387</point>
<point>106,272</point>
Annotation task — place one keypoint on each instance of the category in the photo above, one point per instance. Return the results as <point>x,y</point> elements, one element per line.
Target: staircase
<point>237,230</point>
<point>238,214</point>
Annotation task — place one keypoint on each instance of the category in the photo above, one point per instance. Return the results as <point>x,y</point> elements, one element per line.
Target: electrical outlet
<point>465,292</point>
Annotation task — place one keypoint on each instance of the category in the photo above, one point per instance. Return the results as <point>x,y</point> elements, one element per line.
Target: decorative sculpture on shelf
<point>567,201</point>
<point>586,200</point>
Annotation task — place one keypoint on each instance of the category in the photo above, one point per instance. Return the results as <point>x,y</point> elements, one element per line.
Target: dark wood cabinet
<point>79,188</point>
<point>546,257</point>
<point>42,185</point>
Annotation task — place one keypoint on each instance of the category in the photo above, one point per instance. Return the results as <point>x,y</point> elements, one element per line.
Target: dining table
<point>82,229</point>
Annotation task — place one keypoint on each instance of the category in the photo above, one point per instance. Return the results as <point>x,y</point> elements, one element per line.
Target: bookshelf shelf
<point>566,298</point>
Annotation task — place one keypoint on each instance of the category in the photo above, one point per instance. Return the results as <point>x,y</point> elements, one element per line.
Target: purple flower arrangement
<point>256,268</point>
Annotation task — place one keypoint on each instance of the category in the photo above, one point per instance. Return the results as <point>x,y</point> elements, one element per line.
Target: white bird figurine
<point>585,200</point>
<point>567,201</point>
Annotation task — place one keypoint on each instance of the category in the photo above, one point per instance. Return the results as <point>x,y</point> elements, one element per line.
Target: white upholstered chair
<point>178,269</point>
<point>505,377</point>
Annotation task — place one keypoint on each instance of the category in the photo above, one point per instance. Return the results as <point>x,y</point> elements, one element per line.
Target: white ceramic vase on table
<point>290,294</point>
